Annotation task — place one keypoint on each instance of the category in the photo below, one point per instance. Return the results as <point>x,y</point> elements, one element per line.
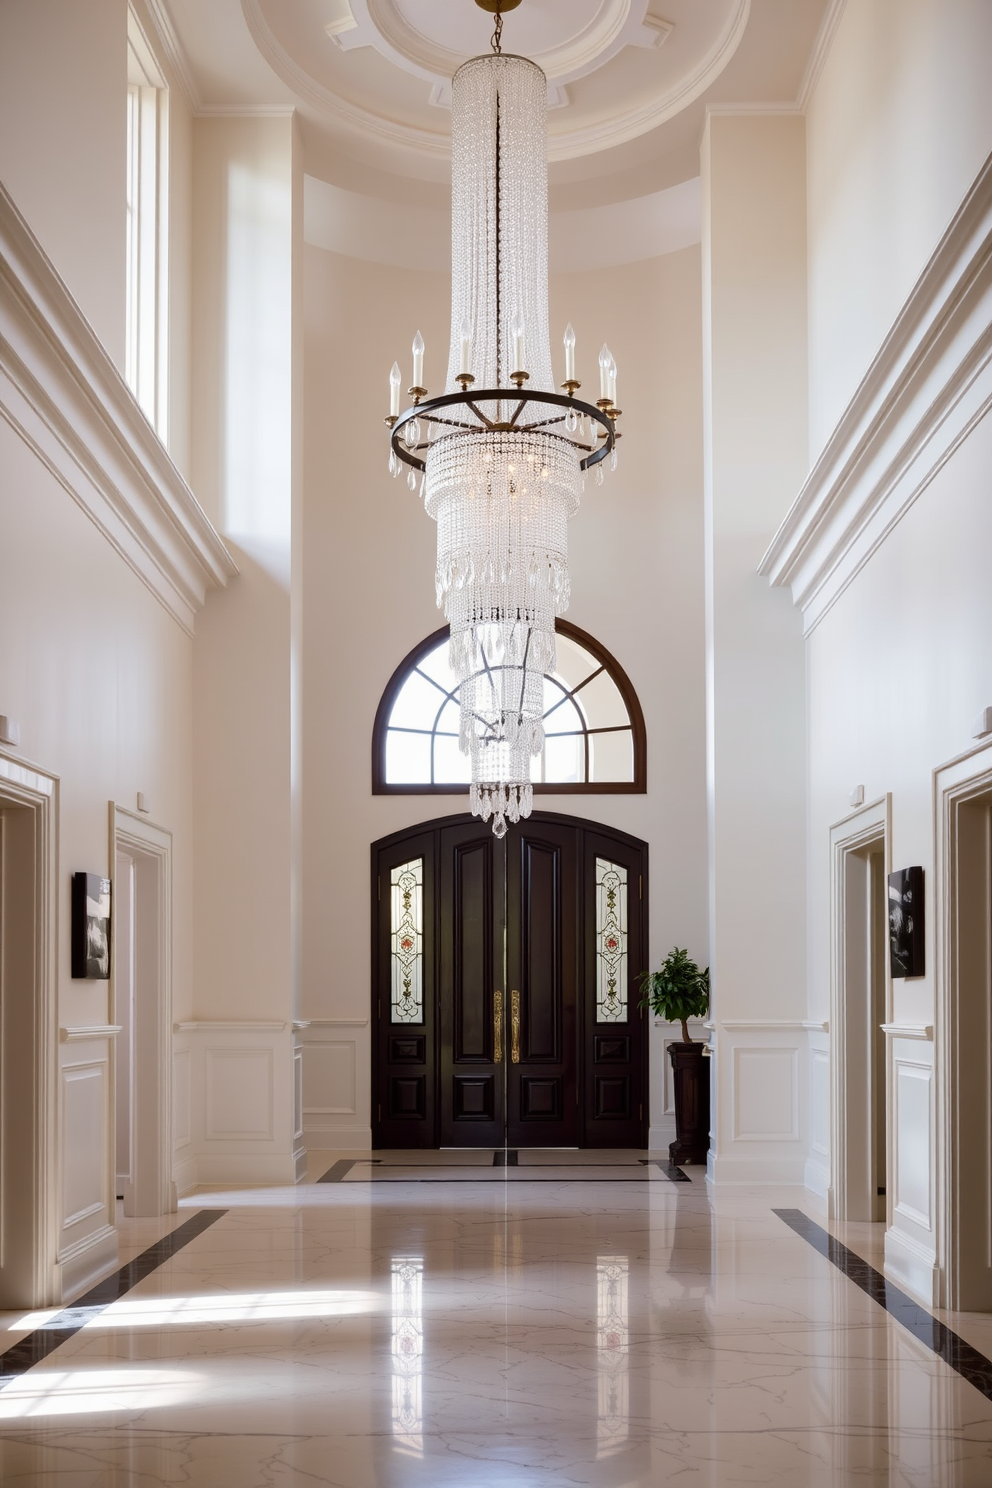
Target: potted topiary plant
<point>677,992</point>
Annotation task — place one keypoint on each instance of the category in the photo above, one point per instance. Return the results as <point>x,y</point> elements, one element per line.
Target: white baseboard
<point>817,1178</point>
<point>733,1169</point>
<point>338,1138</point>
<point>86,1262</point>
<point>300,1161</point>
<point>913,1267</point>
<point>249,1169</point>
<point>661,1137</point>
<point>184,1175</point>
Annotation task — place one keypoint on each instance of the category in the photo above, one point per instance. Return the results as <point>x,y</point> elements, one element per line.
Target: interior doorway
<point>858,1016</point>
<point>142,1006</point>
<point>964,1029</point>
<point>504,985</point>
<point>28,1035</point>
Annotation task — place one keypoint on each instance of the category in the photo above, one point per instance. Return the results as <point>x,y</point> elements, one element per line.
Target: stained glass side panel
<point>407,941</point>
<point>611,942</point>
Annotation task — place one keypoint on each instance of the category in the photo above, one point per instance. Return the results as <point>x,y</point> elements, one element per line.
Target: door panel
<point>541,966</point>
<point>404,1101</point>
<point>518,1042</point>
<point>470,911</point>
<point>614,1104</point>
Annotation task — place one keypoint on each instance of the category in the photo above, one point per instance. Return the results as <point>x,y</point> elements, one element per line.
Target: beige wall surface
<point>899,669</point>
<point>63,145</point>
<point>98,676</point>
<point>368,582</point>
<point>242,457</point>
<point>898,126</point>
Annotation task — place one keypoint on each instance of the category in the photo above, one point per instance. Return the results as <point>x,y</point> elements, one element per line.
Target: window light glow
<point>227,1307</point>
<point>76,1392</point>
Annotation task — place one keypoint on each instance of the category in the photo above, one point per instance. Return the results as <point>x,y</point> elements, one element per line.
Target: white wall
<point>246,189</point>
<point>63,144</point>
<point>368,597</point>
<point>898,125</point>
<point>754,340</point>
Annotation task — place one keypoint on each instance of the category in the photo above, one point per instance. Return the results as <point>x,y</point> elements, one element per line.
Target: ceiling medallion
<point>500,457</point>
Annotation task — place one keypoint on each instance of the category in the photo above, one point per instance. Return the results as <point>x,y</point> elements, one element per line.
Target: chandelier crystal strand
<point>503,466</point>
<point>501,497</point>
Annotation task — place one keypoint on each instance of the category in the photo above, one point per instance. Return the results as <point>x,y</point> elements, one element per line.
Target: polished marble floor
<point>457,1320</point>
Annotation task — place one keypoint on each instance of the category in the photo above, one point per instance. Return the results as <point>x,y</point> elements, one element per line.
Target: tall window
<point>147,353</point>
<point>593,725</point>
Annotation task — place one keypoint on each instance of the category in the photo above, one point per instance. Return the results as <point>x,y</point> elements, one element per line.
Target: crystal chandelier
<point>500,457</point>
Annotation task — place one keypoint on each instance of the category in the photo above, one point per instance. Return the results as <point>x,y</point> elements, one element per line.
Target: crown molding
<point>821,50</point>
<point>925,391</point>
<point>174,52</point>
<point>60,391</point>
<point>435,144</point>
<point>246,111</point>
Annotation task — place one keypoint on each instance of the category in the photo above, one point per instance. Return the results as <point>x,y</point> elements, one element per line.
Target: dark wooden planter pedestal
<point>691,1072</point>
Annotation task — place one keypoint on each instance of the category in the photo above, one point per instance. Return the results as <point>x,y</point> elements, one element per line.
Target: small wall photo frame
<point>906,923</point>
<point>90,927</point>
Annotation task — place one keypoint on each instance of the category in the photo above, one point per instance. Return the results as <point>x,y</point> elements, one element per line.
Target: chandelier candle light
<point>501,456</point>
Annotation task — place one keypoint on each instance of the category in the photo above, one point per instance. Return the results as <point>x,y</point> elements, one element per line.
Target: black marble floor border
<point>46,1339</point>
<point>671,1172</point>
<point>937,1336</point>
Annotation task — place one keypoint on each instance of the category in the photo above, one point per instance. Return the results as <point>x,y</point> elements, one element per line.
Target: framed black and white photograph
<point>906,923</point>
<point>90,927</point>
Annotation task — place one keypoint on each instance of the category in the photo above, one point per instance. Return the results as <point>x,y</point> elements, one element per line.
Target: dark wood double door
<point>504,986</point>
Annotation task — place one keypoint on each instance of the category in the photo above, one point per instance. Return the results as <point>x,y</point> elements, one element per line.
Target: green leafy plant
<point>678,991</point>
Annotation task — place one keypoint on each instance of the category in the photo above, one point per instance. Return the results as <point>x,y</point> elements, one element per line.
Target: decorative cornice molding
<point>174,52</point>
<point>925,391</point>
<point>62,393</point>
<point>436,144</point>
<point>821,50</point>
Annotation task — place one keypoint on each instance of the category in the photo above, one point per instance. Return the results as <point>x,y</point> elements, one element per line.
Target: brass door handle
<point>498,1027</point>
<point>515,1027</point>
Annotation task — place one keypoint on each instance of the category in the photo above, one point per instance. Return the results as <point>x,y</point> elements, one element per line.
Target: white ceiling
<point>628,82</point>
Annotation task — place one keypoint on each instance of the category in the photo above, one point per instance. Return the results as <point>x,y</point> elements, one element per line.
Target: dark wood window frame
<point>608,663</point>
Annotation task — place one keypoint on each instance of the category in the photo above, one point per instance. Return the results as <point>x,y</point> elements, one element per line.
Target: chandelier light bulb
<point>395,379</point>
<point>569,353</point>
<point>612,394</point>
<point>418,360</point>
<point>604,371</point>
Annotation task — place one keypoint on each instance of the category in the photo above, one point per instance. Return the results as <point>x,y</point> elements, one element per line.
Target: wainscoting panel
<point>818,1163</point>
<point>336,1083</point>
<point>910,1241</point>
<point>84,1143</point>
<point>241,1103</point>
<point>182,1124</point>
<point>87,1246</point>
<point>766,1095</point>
<point>761,1114</point>
<point>239,1094</point>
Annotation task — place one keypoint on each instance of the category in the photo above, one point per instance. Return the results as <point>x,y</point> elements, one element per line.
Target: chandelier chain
<point>497,37</point>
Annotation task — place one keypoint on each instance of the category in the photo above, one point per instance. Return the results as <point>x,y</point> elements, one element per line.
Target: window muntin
<point>591,735</point>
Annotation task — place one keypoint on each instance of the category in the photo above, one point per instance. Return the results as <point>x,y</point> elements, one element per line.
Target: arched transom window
<point>593,725</point>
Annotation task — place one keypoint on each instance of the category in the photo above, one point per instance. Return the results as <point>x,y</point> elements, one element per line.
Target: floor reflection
<point>613,1419</point>
<point>408,1354</point>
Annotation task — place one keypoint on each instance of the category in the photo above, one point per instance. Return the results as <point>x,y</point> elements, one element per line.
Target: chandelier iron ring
<point>521,420</point>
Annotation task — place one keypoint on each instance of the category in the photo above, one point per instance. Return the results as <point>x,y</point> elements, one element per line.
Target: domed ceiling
<point>628,80</point>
